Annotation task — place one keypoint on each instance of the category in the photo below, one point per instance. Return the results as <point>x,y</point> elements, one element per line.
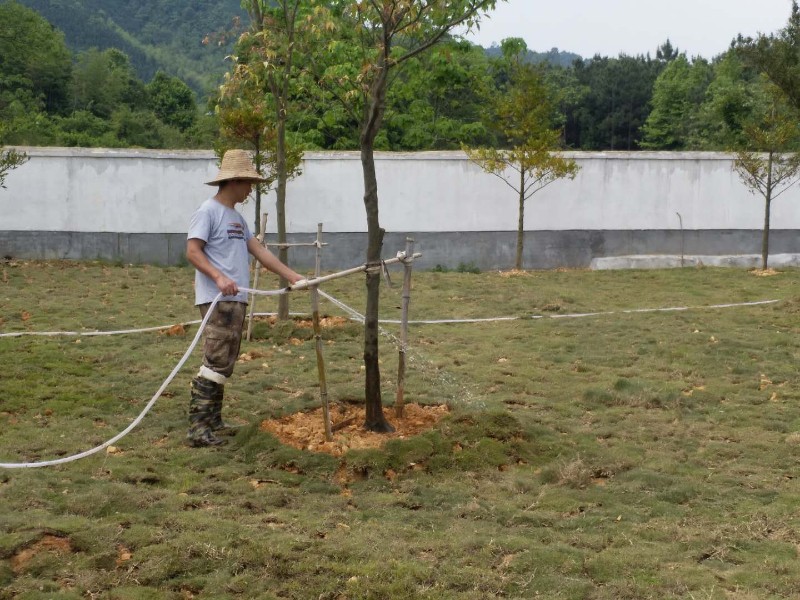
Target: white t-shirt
<point>226,235</point>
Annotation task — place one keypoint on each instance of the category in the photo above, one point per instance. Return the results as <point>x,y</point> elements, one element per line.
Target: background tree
<point>34,60</point>
<point>524,113</point>
<point>678,93</point>
<point>105,82</point>
<point>35,72</point>
<point>615,104</point>
<point>172,101</point>
<point>771,164</point>
<point>734,95</point>
<point>380,38</point>
<point>436,101</point>
<point>571,96</point>
<point>778,56</point>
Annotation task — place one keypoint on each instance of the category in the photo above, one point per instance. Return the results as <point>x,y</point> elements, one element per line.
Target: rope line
<point>156,396</point>
<point>125,331</point>
<point>356,316</point>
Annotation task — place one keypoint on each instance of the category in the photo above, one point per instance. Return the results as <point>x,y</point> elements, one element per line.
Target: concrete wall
<point>134,206</point>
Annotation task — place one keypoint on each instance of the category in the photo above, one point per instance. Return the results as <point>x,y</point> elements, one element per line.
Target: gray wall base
<point>483,250</point>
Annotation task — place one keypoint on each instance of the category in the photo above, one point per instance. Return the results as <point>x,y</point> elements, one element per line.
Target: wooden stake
<point>323,384</point>
<point>261,237</point>
<point>401,367</point>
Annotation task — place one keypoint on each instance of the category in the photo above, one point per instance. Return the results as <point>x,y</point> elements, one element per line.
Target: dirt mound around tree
<point>307,431</point>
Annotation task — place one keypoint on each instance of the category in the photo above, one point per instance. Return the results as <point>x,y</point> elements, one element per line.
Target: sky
<point>610,27</point>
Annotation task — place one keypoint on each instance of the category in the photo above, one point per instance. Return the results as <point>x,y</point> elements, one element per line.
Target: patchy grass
<point>631,455</point>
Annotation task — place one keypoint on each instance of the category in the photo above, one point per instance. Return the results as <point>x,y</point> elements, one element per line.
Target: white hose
<point>138,419</point>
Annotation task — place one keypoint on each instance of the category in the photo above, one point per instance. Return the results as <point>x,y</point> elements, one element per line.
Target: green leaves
<point>677,94</point>
<point>9,160</point>
<point>771,163</point>
<point>34,58</point>
<point>172,101</point>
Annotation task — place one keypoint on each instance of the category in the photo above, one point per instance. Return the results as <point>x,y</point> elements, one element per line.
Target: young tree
<point>9,160</point>
<point>771,164</point>
<point>374,39</point>
<point>245,118</point>
<point>279,32</point>
<point>524,114</point>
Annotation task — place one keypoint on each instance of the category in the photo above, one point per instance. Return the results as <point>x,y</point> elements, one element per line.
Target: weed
<point>469,267</point>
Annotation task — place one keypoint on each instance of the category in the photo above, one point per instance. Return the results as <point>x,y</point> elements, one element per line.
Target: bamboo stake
<point>323,384</point>
<point>401,366</point>
<point>261,237</point>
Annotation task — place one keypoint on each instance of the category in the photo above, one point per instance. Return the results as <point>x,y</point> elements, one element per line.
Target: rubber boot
<point>216,423</point>
<point>200,414</point>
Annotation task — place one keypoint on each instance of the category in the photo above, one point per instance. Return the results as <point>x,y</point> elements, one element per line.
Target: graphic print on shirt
<point>235,231</point>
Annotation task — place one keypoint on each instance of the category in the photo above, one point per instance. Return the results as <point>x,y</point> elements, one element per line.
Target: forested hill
<point>168,35</point>
<point>157,35</point>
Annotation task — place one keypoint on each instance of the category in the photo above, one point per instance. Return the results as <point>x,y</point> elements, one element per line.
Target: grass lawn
<point>626,455</point>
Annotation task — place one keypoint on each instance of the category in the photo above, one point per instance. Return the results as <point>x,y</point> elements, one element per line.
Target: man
<point>218,245</point>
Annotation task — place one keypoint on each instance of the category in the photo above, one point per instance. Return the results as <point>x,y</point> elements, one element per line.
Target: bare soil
<point>307,430</point>
<point>48,543</point>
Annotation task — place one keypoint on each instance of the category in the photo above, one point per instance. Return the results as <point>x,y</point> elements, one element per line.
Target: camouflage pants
<point>223,336</point>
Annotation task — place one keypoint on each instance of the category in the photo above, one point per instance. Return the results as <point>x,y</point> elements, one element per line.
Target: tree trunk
<point>765,237</point>
<point>375,420</point>
<point>373,116</point>
<point>280,205</point>
<point>768,201</point>
<point>521,220</point>
<point>257,161</point>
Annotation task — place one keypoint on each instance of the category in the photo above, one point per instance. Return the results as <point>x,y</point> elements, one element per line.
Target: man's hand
<point>226,285</point>
<point>299,284</point>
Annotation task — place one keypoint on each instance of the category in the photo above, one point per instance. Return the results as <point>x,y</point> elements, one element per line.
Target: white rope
<point>93,333</point>
<point>126,331</point>
<point>356,316</point>
<point>352,313</point>
<point>652,310</point>
<point>138,419</point>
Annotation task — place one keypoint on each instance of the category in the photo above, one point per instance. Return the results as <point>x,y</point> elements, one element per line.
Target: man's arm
<point>198,258</point>
<point>271,262</point>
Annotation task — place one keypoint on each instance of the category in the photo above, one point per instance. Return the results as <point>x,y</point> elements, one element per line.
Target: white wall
<point>144,191</point>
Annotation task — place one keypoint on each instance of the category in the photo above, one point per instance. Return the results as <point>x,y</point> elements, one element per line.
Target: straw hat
<point>236,164</point>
